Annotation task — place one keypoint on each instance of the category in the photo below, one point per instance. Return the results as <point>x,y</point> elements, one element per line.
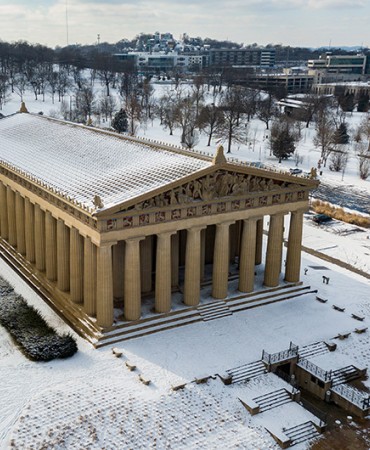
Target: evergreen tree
<point>341,135</point>
<point>120,122</point>
<point>282,139</point>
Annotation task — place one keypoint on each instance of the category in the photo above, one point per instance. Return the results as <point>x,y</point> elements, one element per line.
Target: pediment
<point>218,182</point>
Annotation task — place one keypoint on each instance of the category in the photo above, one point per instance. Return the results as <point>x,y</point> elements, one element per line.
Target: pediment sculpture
<point>213,186</point>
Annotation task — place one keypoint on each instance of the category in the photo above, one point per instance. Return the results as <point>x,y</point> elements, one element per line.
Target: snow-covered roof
<point>81,162</point>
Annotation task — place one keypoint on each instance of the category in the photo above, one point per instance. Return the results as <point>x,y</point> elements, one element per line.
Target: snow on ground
<point>92,401</point>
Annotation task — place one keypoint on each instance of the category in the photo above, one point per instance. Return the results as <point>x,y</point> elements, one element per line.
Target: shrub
<point>36,338</point>
<point>338,213</point>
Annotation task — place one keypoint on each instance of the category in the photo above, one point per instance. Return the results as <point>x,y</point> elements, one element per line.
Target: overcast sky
<point>309,23</point>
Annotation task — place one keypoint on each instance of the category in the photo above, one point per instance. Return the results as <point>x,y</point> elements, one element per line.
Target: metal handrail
<point>315,370</point>
<point>273,358</point>
<point>361,400</point>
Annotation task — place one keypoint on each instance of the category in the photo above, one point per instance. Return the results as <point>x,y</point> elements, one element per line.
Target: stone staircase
<point>315,349</point>
<point>345,375</point>
<point>214,310</point>
<point>253,300</point>
<point>246,372</point>
<point>272,400</point>
<point>301,433</point>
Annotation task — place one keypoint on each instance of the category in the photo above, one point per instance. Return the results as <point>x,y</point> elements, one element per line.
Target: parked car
<point>295,170</point>
<point>321,218</point>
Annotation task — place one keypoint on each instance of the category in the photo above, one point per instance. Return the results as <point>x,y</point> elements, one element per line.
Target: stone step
<point>345,375</point>
<point>315,349</point>
<point>265,398</point>
<point>218,315</point>
<point>267,301</point>
<point>272,400</point>
<point>273,293</point>
<point>246,372</point>
<point>275,404</point>
<point>301,433</point>
<point>120,337</point>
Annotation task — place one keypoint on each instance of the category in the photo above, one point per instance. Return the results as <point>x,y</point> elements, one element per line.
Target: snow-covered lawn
<point>92,401</point>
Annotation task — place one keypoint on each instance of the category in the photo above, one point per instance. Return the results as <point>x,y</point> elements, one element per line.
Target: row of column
<point>84,270</point>
<point>60,252</point>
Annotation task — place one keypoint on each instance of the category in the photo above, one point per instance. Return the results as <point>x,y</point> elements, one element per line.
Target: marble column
<point>76,266</point>
<point>39,238</point>
<point>175,259</point>
<point>3,212</point>
<point>89,278</point>
<point>274,250</point>
<point>50,246</point>
<point>293,260</point>
<point>104,286</point>
<point>259,240</point>
<point>221,261</point>
<point>12,231</point>
<point>132,283</point>
<point>118,269</point>
<point>163,274</point>
<point>192,266</point>
<point>63,256</point>
<point>29,222</point>
<point>247,255</point>
<point>202,253</point>
<point>20,225</point>
<point>146,258</point>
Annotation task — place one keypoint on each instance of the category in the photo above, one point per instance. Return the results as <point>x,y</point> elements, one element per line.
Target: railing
<point>315,411</point>
<point>273,358</point>
<point>315,370</point>
<point>358,398</point>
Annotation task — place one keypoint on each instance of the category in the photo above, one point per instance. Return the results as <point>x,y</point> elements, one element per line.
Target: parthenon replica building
<point>100,221</point>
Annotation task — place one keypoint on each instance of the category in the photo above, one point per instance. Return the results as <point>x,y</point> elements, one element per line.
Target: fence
<point>315,370</point>
<point>273,358</point>
<point>357,398</point>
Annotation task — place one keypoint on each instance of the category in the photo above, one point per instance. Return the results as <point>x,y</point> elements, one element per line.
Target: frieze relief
<point>214,186</point>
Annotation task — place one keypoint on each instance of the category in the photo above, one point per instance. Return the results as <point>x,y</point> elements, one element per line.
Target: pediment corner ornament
<point>214,186</point>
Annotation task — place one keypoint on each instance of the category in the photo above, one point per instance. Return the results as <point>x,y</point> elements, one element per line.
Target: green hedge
<point>36,338</point>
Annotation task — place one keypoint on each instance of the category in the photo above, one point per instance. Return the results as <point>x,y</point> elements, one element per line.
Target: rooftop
<point>80,162</point>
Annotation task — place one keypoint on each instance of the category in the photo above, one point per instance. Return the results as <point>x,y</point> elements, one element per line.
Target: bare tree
<point>85,103</point>
<point>134,112</point>
<point>266,110</point>
<point>325,130</point>
<point>210,120</point>
<point>233,128</point>
<point>107,105</point>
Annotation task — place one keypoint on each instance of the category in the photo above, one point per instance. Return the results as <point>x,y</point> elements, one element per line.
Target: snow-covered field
<point>92,401</point>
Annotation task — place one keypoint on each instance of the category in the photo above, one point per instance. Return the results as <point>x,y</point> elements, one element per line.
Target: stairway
<point>247,372</point>
<point>301,433</point>
<point>272,400</point>
<point>253,300</point>
<point>214,310</point>
<point>311,350</point>
<point>148,326</point>
<point>344,375</point>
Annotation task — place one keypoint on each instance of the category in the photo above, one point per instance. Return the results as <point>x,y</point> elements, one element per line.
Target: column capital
<point>226,223</point>
<point>105,244</point>
<point>133,240</point>
<point>197,228</point>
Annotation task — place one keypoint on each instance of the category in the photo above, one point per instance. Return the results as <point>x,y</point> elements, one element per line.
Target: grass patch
<point>37,340</point>
<point>321,207</point>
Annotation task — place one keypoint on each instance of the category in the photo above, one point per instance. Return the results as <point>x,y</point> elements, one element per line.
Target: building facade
<point>103,221</point>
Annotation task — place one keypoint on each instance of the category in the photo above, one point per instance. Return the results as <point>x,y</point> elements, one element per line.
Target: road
<point>348,196</point>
